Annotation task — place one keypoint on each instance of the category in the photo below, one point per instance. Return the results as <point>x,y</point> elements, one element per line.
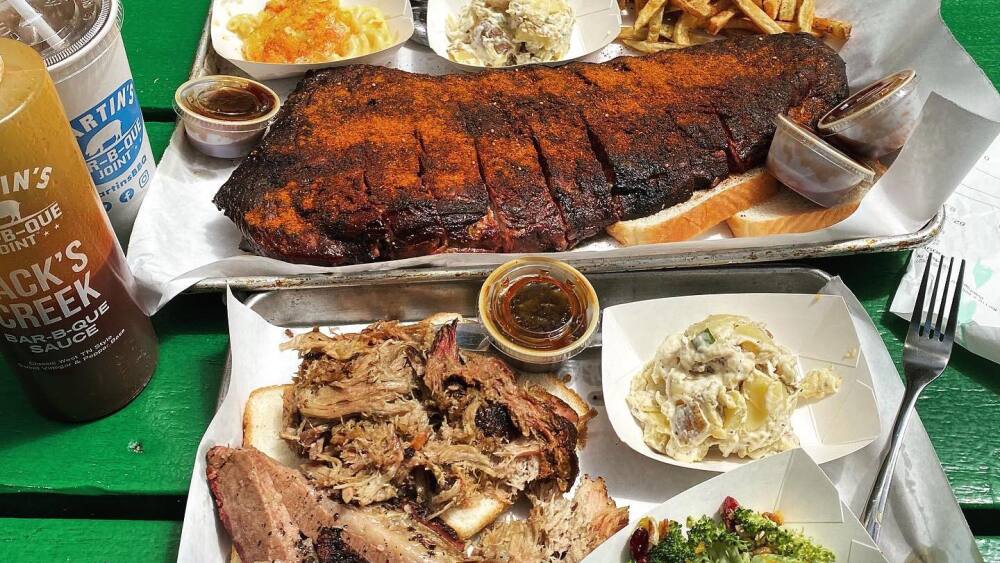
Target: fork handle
<point>875,509</point>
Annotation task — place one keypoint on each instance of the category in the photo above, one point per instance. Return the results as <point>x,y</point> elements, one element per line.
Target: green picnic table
<point>114,489</point>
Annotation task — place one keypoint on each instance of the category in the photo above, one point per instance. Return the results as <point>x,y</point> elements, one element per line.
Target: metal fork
<point>925,355</point>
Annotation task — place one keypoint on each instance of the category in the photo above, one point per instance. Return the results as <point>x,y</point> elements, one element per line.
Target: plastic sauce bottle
<point>70,329</point>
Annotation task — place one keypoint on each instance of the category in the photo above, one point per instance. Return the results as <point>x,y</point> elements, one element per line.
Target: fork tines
<point>930,326</point>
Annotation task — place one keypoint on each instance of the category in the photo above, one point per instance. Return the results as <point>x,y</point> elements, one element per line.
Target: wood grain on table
<point>113,490</point>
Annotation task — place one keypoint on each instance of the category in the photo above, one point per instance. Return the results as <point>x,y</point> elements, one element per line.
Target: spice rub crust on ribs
<point>369,163</point>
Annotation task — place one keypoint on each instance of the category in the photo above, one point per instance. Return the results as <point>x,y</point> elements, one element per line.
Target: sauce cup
<point>876,120</point>
<point>812,167</point>
<point>538,312</point>
<point>233,136</point>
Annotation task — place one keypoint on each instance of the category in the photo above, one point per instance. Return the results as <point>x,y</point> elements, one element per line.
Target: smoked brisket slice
<point>272,513</point>
<point>369,163</point>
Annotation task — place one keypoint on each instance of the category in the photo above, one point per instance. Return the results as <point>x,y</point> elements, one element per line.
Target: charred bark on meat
<point>369,163</point>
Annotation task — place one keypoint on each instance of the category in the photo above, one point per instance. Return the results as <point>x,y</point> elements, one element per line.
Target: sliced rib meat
<point>370,163</point>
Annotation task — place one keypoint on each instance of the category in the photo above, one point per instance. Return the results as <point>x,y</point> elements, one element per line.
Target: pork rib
<point>370,163</point>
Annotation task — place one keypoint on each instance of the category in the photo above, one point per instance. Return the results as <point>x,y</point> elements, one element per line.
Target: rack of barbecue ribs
<point>367,163</point>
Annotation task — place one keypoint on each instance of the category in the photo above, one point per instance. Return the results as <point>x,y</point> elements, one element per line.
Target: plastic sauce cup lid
<point>818,146</point>
<point>194,87</point>
<point>58,29</point>
<point>869,100</point>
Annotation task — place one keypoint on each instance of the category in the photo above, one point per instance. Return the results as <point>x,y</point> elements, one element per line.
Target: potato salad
<point>723,382</point>
<point>498,33</point>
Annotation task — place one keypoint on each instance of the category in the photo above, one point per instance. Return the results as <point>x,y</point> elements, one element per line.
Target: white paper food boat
<point>817,328</point>
<point>398,14</point>
<point>789,483</point>
<point>597,24</point>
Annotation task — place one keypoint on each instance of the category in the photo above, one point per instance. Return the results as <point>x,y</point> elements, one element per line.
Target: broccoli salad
<point>741,536</point>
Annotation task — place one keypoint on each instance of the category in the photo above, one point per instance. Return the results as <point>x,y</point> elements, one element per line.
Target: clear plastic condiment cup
<point>233,137</point>
<point>504,277</point>
<point>876,120</point>
<point>812,167</point>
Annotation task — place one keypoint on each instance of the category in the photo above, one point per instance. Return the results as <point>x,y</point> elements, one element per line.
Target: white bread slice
<point>703,211</point>
<point>262,425</point>
<point>262,428</point>
<point>788,212</point>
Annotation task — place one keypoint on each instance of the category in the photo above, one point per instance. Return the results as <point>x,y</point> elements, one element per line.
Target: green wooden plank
<point>960,409</point>
<point>146,448</point>
<point>989,546</point>
<point>159,136</point>
<point>83,541</point>
<point>160,38</point>
<point>974,24</point>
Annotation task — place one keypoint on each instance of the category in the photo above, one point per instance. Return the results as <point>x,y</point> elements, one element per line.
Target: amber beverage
<point>70,329</point>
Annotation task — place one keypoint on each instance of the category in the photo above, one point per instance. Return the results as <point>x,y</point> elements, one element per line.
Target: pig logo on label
<point>110,134</point>
<point>98,143</point>
<point>10,209</point>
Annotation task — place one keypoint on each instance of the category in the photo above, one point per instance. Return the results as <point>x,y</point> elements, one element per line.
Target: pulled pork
<point>558,529</point>
<point>396,416</point>
<point>396,413</point>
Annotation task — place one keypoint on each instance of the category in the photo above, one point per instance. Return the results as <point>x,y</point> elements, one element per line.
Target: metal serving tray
<point>353,302</point>
<point>206,62</point>
<point>357,301</point>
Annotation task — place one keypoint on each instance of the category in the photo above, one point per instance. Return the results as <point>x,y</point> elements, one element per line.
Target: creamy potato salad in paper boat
<point>724,382</point>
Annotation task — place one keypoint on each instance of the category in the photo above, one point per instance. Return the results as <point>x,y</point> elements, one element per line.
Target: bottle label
<point>22,228</point>
<point>110,135</point>
<point>50,304</point>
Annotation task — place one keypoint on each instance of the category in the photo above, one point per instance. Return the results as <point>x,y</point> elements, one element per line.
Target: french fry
<point>743,24</point>
<point>679,23</point>
<point>717,22</point>
<point>698,8</point>
<point>759,18</point>
<point>650,47</point>
<point>787,10</point>
<point>834,28</point>
<point>771,8</point>
<point>647,11</point>
<point>719,6</point>
<point>789,27</point>
<point>655,23</point>
<point>805,17</point>
<point>682,31</point>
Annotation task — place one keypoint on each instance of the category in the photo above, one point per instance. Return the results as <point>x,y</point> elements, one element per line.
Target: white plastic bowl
<point>597,24</point>
<point>398,14</point>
